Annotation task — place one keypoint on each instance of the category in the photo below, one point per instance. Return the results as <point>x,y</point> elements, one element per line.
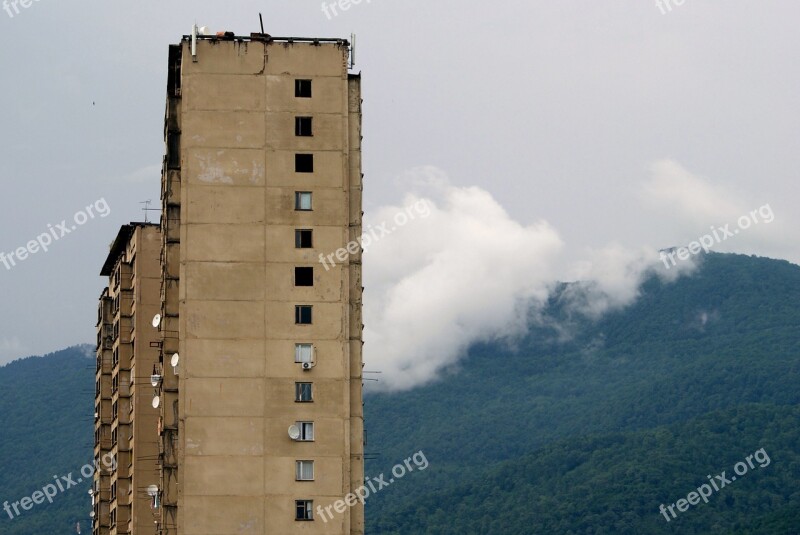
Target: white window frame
<point>303,353</point>
<point>304,201</point>
<point>306,431</point>
<point>304,471</point>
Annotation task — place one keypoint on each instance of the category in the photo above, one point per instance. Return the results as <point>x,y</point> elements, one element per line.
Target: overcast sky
<point>552,140</point>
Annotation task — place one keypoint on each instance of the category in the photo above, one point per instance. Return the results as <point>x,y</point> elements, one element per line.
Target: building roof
<point>123,238</point>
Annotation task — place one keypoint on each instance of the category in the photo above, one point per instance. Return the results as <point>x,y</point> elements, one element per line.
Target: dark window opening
<point>304,510</point>
<point>302,88</point>
<point>304,276</point>
<point>304,163</point>
<point>304,239</point>
<point>302,126</point>
<point>302,314</point>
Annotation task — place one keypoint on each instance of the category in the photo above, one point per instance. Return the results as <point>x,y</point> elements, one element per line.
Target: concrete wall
<point>236,319</point>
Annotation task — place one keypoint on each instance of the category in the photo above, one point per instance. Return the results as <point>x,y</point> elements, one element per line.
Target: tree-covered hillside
<point>580,427</point>
<point>47,427</point>
<point>726,337</point>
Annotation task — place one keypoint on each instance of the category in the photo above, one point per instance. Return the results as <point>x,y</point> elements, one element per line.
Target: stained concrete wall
<point>236,320</point>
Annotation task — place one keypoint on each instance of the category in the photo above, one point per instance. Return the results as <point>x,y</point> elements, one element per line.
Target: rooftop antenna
<point>352,50</point>
<point>261,20</point>
<point>194,42</point>
<point>148,209</point>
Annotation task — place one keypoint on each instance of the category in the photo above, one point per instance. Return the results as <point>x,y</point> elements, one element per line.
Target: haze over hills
<point>581,426</point>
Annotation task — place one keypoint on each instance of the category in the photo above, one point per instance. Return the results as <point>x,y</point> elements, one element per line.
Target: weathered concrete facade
<point>262,175</point>
<point>127,352</point>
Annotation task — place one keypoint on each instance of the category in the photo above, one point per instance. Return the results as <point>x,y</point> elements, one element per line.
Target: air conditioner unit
<point>307,366</point>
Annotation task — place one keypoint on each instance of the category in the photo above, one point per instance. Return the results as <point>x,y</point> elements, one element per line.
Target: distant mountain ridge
<point>724,338</point>
<point>584,435</point>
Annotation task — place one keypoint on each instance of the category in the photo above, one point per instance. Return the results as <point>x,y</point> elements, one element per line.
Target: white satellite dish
<point>91,492</point>
<point>175,360</point>
<point>155,379</point>
<point>156,320</point>
<point>152,490</point>
<point>91,515</point>
<point>294,432</point>
<point>156,402</point>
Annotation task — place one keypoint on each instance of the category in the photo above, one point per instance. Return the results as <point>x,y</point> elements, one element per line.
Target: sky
<point>528,143</point>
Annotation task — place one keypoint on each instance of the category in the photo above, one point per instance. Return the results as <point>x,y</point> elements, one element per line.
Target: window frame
<point>299,238</point>
<point>305,426</point>
<point>300,350</point>
<point>298,201</point>
<point>303,83</point>
<point>307,514</point>
<point>303,126</point>
<point>299,471</point>
<point>298,314</point>
<point>301,388</point>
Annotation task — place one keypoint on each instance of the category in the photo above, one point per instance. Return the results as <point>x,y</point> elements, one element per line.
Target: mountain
<point>580,426</point>
<point>46,417</point>
<point>723,340</point>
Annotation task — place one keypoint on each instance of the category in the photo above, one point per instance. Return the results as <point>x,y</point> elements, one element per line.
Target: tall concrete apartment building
<point>127,352</point>
<point>258,364</point>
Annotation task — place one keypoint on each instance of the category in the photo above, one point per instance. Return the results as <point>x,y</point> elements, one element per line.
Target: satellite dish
<point>156,402</point>
<point>155,379</point>
<point>175,360</point>
<point>156,320</point>
<point>152,490</point>
<point>91,492</point>
<point>91,515</point>
<point>294,432</point>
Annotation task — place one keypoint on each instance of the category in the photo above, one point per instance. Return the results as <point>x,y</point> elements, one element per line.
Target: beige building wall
<point>229,292</point>
<point>125,420</point>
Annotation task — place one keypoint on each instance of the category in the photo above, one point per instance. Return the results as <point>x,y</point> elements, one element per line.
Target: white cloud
<point>464,273</point>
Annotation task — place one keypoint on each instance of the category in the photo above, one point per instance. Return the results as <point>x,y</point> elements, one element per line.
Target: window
<point>303,392</point>
<point>303,126</point>
<point>304,163</point>
<point>302,314</point>
<point>303,353</point>
<point>302,88</point>
<point>302,200</point>
<point>304,239</point>
<point>304,276</point>
<point>304,471</point>
<point>306,431</point>
<point>305,510</point>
